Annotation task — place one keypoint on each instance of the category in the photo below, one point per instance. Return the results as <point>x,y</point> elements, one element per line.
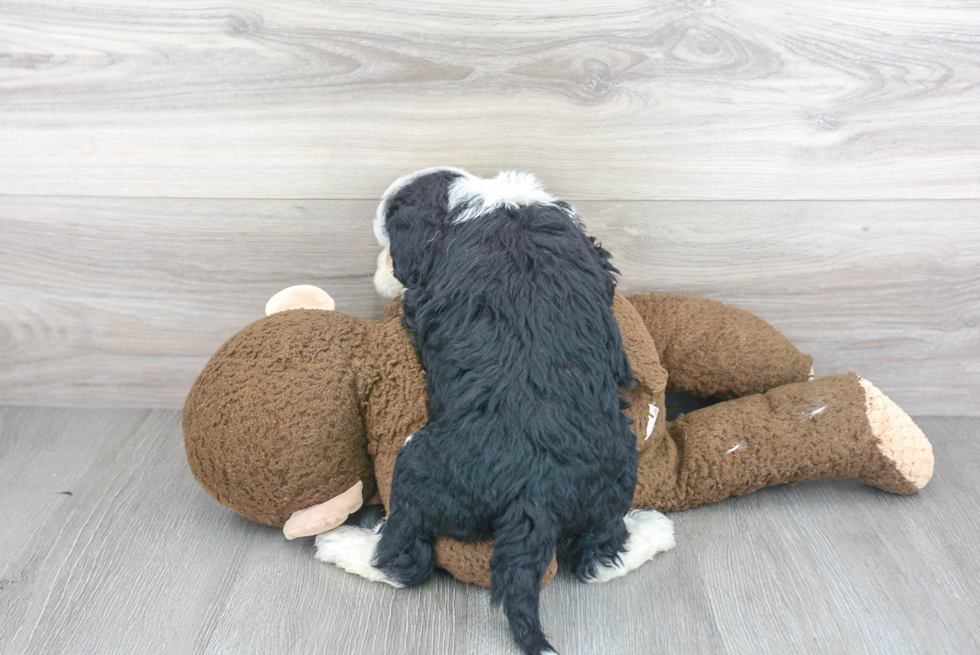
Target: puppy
<point>509,303</point>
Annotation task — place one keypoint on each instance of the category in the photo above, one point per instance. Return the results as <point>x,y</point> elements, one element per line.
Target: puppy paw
<point>352,549</point>
<point>650,533</point>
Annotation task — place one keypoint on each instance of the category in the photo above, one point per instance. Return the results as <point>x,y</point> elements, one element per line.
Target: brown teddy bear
<point>297,419</point>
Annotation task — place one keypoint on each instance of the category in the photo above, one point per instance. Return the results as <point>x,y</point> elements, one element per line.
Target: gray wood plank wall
<point>165,168</point>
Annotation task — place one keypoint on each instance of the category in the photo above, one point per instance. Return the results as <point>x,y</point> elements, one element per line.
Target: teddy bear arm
<point>712,349</point>
<point>834,427</point>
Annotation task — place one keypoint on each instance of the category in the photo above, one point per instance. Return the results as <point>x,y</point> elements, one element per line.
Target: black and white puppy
<point>509,303</point>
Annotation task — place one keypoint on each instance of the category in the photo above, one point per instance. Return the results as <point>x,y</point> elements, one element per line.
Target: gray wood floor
<point>136,558</point>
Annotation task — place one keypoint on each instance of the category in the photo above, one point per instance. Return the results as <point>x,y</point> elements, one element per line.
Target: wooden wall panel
<point>889,290</point>
<point>165,167</point>
<point>613,99</point>
<point>119,302</point>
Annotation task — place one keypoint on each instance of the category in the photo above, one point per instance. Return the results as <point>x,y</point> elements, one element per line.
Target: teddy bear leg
<point>712,349</point>
<point>834,427</point>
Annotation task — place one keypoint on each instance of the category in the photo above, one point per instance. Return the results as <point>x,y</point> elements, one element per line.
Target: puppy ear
<point>412,234</point>
<point>412,216</point>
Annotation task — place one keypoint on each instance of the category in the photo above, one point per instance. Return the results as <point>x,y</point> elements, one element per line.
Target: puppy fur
<point>510,305</point>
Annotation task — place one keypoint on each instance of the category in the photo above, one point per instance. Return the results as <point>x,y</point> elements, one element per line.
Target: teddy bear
<point>297,419</point>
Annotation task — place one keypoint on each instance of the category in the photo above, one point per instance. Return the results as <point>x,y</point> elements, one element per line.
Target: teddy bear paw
<point>898,438</point>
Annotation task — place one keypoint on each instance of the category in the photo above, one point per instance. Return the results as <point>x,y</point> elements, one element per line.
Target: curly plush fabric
<point>273,423</point>
<point>298,406</point>
<point>712,349</point>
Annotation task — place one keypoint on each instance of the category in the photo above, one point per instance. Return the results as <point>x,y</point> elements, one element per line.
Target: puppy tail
<point>523,546</point>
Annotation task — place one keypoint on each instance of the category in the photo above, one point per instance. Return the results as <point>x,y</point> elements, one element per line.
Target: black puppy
<point>509,303</point>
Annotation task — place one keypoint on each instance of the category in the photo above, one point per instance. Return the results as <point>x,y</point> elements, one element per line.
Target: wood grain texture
<point>871,575</point>
<point>621,99</point>
<point>889,290</point>
<point>140,560</point>
<point>119,302</point>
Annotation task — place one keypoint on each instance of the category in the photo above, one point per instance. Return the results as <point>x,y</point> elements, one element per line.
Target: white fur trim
<point>385,282</point>
<point>379,218</point>
<point>509,189</point>
<point>352,549</point>
<point>816,412</point>
<point>650,533</point>
<point>652,419</point>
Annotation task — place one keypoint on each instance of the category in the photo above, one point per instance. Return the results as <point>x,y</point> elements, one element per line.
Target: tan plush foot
<point>899,439</point>
<point>325,516</point>
<point>301,296</point>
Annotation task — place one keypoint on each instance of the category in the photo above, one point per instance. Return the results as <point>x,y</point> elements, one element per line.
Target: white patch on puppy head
<point>385,282</point>
<point>510,189</point>
<point>380,232</point>
<point>650,533</point>
<point>352,549</point>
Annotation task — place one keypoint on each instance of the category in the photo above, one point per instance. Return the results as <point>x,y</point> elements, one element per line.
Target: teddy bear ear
<point>301,296</point>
